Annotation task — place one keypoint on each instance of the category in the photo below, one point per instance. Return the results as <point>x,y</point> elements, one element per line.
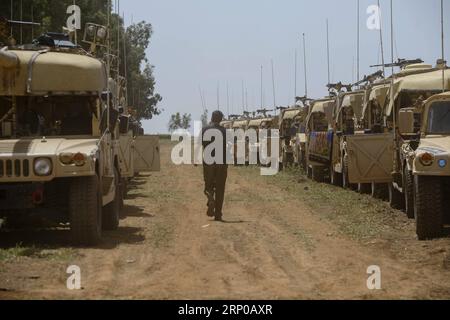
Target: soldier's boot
<point>211,204</point>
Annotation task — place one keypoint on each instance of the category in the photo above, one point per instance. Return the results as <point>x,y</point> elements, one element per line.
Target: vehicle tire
<point>85,210</point>
<point>336,178</point>
<point>364,188</point>
<point>396,198</point>
<point>380,191</point>
<point>111,212</point>
<point>428,207</point>
<point>408,190</point>
<point>309,172</point>
<point>123,191</point>
<point>345,182</point>
<point>318,174</point>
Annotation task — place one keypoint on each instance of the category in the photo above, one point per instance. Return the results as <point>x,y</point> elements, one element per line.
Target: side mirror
<point>406,122</point>
<point>105,95</point>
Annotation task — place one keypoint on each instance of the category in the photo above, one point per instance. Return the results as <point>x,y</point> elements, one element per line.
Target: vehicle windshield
<point>320,123</point>
<point>47,116</point>
<point>439,118</point>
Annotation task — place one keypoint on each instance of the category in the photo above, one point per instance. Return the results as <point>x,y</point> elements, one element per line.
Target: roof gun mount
<point>401,63</point>
<point>336,88</point>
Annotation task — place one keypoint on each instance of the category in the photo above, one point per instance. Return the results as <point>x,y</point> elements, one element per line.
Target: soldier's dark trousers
<point>215,179</point>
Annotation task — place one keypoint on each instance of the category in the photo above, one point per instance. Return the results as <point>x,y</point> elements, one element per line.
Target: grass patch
<point>20,251</point>
<point>358,216</point>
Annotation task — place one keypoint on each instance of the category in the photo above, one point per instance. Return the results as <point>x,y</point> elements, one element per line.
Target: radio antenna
<point>273,87</point>
<point>295,75</point>
<point>262,98</point>
<point>328,53</point>
<point>443,46</point>
<point>304,58</point>
<point>357,40</point>
<point>381,38</point>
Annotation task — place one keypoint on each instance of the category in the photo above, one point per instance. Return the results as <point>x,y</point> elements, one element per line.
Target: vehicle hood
<point>435,144</point>
<point>48,147</point>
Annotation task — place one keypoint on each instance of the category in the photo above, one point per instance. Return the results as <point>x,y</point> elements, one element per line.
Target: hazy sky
<point>208,43</point>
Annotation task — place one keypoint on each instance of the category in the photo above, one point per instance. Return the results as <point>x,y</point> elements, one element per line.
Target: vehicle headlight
<point>426,159</point>
<point>43,167</point>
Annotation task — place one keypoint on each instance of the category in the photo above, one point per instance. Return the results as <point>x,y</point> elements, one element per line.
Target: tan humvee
<point>288,135</point>
<point>58,151</point>
<point>318,138</point>
<point>347,113</point>
<point>427,156</point>
<point>240,159</point>
<point>381,156</point>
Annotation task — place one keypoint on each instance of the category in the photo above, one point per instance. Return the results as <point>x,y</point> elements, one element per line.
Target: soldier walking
<point>215,175</point>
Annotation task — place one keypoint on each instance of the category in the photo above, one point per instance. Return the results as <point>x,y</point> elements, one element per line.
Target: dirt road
<point>284,238</point>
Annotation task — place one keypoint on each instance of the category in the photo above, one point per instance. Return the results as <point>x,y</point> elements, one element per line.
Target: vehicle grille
<point>14,168</point>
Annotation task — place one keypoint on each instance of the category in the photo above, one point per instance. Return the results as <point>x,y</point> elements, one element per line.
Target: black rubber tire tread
<point>428,207</point>
<point>84,207</point>
<point>408,191</point>
<point>112,212</point>
<point>396,198</point>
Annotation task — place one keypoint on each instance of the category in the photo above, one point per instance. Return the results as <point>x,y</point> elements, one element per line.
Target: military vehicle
<point>319,138</point>
<point>372,121</point>
<point>253,147</point>
<point>240,158</point>
<point>289,128</point>
<point>380,156</point>
<point>59,137</point>
<point>346,114</point>
<point>426,151</point>
<point>227,124</point>
<point>269,124</point>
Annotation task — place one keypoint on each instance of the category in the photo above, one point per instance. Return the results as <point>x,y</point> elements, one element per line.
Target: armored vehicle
<point>59,137</point>
<point>427,156</point>
<point>346,122</point>
<point>289,128</point>
<point>381,156</point>
<point>319,138</point>
<point>240,126</point>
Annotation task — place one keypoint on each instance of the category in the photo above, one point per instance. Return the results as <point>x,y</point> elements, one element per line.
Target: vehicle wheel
<point>318,174</point>
<point>408,190</point>
<point>428,207</point>
<point>111,212</point>
<point>309,172</point>
<point>396,198</point>
<point>85,210</point>
<point>123,191</point>
<point>364,188</point>
<point>345,182</point>
<point>336,178</point>
<point>380,191</point>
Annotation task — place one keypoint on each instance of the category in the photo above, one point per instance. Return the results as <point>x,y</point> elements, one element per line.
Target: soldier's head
<point>217,117</point>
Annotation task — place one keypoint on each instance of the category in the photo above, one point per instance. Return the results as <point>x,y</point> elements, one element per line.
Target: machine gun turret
<point>336,88</point>
<point>264,112</point>
<point>370,78</point>
<point>402,63</point>
<point>304,100</point>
